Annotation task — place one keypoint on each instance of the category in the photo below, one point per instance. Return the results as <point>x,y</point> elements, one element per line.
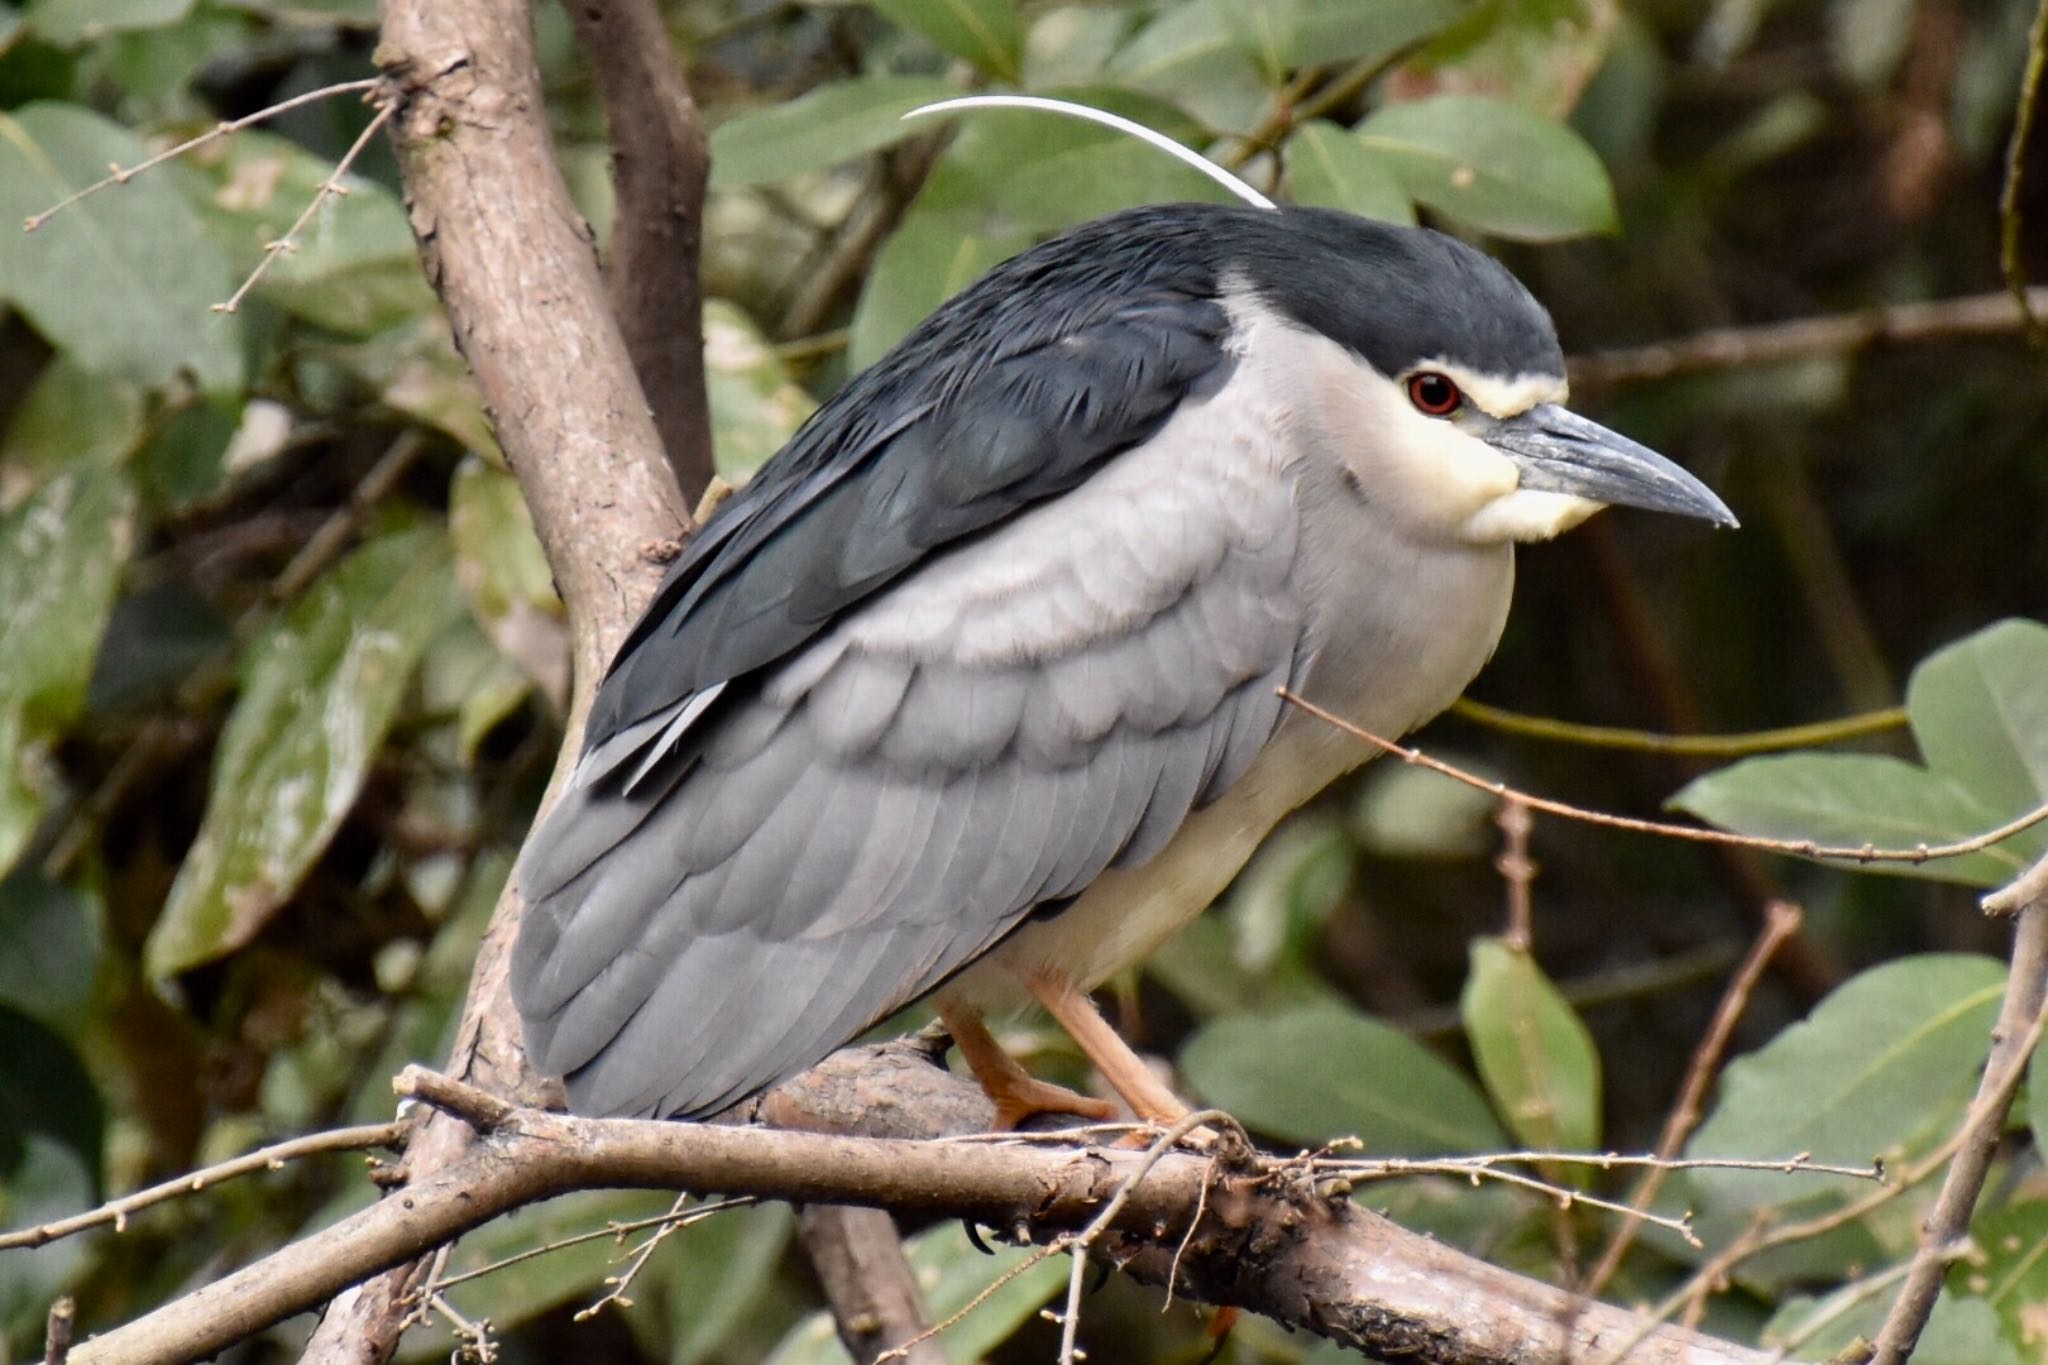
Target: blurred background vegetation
<point>281,668</point>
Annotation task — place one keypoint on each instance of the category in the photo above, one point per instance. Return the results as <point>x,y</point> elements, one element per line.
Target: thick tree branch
<point>514,266</point>
<point>868,1283</point>
<point>1771,342</point>
<point>1271,1238</point>
<point>2013,1040</point>
<point>660,158</point>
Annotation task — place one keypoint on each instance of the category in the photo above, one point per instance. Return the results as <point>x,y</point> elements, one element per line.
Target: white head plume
<point>1186,155</point>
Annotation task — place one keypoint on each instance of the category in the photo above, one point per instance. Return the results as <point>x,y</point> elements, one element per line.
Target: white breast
<point>1400,621</point>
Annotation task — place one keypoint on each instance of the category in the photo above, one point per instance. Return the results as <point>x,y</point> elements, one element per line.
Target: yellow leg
<point>1125,1070</point>
<point>1017,1093</point>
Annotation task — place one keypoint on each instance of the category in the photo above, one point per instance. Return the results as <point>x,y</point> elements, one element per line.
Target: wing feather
<point>890,780</point>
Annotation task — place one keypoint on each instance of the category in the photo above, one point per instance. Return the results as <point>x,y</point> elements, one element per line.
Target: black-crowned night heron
<point>971,692</point>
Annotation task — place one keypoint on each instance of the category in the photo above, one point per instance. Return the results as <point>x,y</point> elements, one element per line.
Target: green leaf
<point>929,259</point>
<point>1866,38</point>
<point>62,549</point>
<point>1534,1053</point>
<point>1326,166</point>
<point>1848,800</point>
<point>1407,812</point>
<point>1191,55</point>
<point>49,1180</point>
<point>67,23</point>
<point>1322,1072</point>
<point>2036,1097</point>
<point>1979,710</point>
<point>831,124</point>
<point>1328,34</point>
<point>1496,167</point>
<point>1281,36</point>
<point>1962,1330</point>
<point>718,1275</point>
<point>124,282</point>
<point>465,675</point>
<point>154,640</point>
<point>50,946</point>
<point>1279,903</point>
<point>1980,716</point>
<point>415,370</point>
<point>951,1274</point>
<point>44,1089</point>
<point>319,692</point>
<point>1266,30</point>
<point>71,416</point>
<point>2010,1271</point>
<point>498,558</point>
<point>1203,965</point>
<point>755,405</point>
<point>1882,1067</point>
<point>984,32</point>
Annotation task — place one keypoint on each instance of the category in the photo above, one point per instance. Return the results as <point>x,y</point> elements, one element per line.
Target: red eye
<point>1434,394</point>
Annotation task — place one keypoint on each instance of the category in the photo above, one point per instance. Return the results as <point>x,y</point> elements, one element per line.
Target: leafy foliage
<point>281,665</point>
<point>1980,715</point>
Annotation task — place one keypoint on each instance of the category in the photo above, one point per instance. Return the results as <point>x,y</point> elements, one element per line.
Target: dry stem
<point>1781,922</point>
<point>1801,848</point>
<point>2021,1019</point>
<point>271,1158</point>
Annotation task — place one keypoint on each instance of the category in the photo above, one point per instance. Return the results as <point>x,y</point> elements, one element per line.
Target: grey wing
<point>1027,710</point>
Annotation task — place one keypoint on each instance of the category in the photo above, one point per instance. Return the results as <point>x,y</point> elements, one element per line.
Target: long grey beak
<point>1562,452</point>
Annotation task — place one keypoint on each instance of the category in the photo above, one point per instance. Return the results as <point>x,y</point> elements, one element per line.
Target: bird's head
<point>1438,380</point>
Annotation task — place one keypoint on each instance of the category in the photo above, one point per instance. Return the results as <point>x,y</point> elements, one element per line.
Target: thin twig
<point>2009,207</point>
<point>617,1285</point>
<point>1078,1241</point>
<point>1781,921</point>
<point>475,1335</point>
<point>2021,1020</point>
<point>331,186</point>
<point>1802,848</point>
<point>59,1329</point>
<point>1078,1244</point>
<point>121,175</point>
<point>1194,1221</point>
<point>1740,745</point>
<point>1046,1252</point>
<point>1771,342</point>
<point>271,1158</point>
<point>326,542</point>
<point>1560,1196</point>
<point>1373,1168</point>
<point>2017,895</point>
<point>1518,870</point>
<point>685,1218</point>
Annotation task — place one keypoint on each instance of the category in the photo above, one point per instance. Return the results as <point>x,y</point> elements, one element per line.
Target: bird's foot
<point>1021,1097</point>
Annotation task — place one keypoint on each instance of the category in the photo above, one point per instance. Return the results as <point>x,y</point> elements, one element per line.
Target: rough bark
<point>868,1283</point>
<point>517,274</point>
<point>1270,1238</point>
<point>660,158</point>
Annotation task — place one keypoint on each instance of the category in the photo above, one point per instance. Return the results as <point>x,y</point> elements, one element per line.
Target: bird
<point>973,692</point>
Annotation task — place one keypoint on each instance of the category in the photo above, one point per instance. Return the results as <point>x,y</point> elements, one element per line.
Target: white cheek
<point>1526,514</point>
<point>1452,475</point>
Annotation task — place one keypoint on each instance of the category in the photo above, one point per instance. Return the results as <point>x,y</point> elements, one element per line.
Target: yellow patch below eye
<point>1526,515</point>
